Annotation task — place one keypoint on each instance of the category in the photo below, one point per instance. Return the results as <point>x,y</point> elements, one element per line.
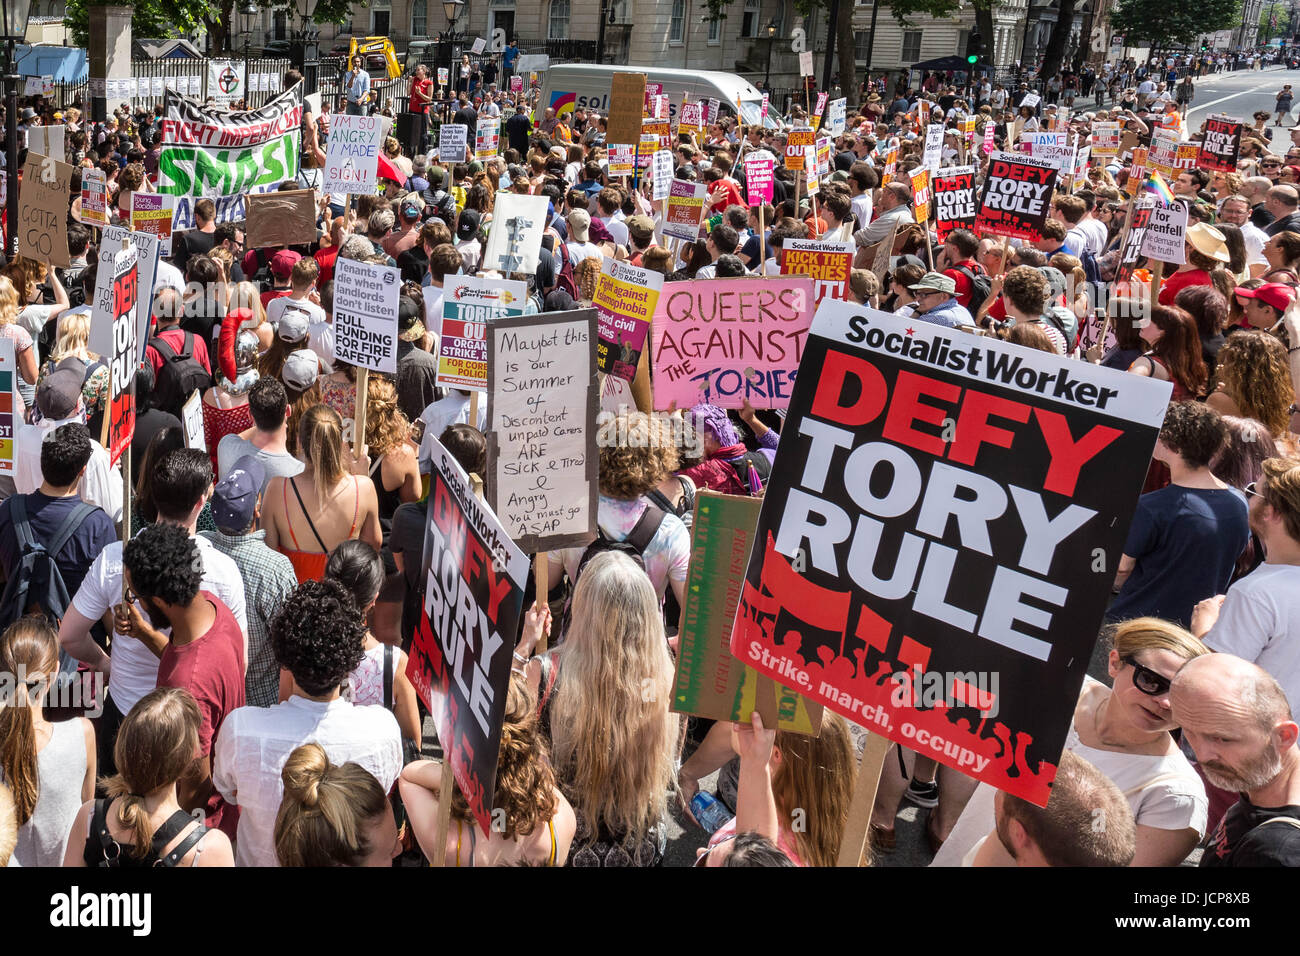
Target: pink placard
<point>724,340</point>
<point>758,180</point>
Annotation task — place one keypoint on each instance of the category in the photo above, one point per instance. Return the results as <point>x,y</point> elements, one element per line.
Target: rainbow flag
<point>1162,188</point>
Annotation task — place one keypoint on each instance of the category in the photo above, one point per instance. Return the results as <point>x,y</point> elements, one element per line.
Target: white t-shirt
<point>579,251</point>
<point>452,410</point>
<point>320,339</point>
<point>1162,791</point>
<point>101,485</point>
<point>277,307</point>
<point>1260,622</point>
<point>617,228</point>
<point>1096,233</point>
<point>1254,239</point>
<point>135,669</point>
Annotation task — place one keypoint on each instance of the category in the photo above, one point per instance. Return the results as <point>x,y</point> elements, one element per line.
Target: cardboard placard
<point>48,141</point>
<point>352,154</point>
<point>828,264</point>
<point>515,241</point>
<point>542,434</point>
<point>701,356</point>
<point>954,200</point>
<point>626,101</point>
<point>1017,196</point>
<point>710,681</point>
<point>365,314</point>
<point>280,218</point>
<point>460,659</point>
<point>43,210</point>
<point>685,210</point>
<point>970,638</point>
<point>192,421</point>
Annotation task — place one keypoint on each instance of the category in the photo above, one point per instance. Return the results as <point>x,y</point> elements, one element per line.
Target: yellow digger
<point>372,49</point>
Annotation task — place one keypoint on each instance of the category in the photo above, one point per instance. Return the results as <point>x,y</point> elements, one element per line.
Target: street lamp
<point>771,38</point>
<point>303,52</point>
<point>13,27</point>
<point>451,9</point>
<point>600,34</point>
<point>247,21</point>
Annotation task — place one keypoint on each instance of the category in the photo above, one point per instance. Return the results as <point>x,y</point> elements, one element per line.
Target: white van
<point>570,85</point>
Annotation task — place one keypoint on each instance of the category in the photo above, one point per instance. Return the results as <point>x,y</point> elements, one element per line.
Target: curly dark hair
<point>1195,431</point>
<point>64,453</point>
<point>317,635</point>
<point>164,563</point>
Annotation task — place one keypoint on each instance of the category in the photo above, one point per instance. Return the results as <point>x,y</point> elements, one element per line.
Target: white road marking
<point>1224,99</point>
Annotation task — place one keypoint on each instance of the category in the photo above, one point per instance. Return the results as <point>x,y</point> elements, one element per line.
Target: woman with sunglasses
<point>1124,731</point>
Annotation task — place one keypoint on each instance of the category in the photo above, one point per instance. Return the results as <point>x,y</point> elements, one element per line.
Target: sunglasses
<point>129,596</point>
<point>1252,491</point>
<point>1270,165</point>
<point>1146,680</point>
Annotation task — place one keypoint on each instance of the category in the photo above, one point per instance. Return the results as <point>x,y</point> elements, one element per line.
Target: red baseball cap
<point>1276,294</point>
<point>282,262</point>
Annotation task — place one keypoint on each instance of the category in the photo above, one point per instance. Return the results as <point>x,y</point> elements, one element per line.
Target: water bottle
<point>709,812</point>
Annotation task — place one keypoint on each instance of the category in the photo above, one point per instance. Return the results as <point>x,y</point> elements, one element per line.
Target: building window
<point>860,46</point>
<point>677,25</point>
<point>381,17</point>
<point>419,18</point>
<point>911,46</point>
<point>715,31</point>
<point>749,22</point>
<point>558,25</point>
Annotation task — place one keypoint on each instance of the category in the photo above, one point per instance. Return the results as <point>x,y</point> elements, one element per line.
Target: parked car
<point>276,49</point>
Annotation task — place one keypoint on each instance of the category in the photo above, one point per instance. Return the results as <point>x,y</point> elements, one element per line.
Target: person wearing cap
<point>895,206</point>
<point>936,301</point>
<point>467,241</point>
<point>268,576</point>
<point>438,198</point>
<point>282,264</point>
<point>641,236</point>
<point>419,173</point>
<point>410,213</point>
<point>1265,305</point>
<point>580,246</point>
<point>1206,249</point>
<point>59,402</point>
<point>417,365</point>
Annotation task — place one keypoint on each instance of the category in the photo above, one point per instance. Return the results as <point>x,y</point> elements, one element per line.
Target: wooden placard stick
<point>542,578</point>
<point>445,789</point>
<point>359,421</point>
<point>853,845</point>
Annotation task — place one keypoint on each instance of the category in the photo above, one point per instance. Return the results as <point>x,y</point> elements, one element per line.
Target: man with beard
<point>1236,719</point>
<point>1087,821</point>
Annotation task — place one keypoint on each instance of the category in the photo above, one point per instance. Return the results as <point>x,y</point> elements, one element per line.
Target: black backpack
<point>980,287</point>
<point>180,375</point>
<point>752,461</point>
<point>36,583</point>
<point>634,545</point>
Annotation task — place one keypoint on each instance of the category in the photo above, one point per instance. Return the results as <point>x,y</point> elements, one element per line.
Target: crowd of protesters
<point>251,623</point>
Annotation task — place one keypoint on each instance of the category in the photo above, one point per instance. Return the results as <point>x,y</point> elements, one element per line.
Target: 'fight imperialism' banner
<point>935,560</point>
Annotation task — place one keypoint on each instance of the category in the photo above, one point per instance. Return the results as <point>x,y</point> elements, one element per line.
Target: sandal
<point>882,839</point>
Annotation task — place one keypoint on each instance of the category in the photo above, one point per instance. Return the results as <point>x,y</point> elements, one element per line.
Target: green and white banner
<point>223,156</point>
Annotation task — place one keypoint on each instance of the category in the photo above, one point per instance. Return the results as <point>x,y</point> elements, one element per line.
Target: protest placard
<point>690,119</point>
<point>117,290</point>
<point>987,146</point>
<point>1131,251</point>
<point>661,129</point>
<point>43,210</point>
<point>516,84</point>
<point>828,264</point>
<point>152,213</point>
<point>968,639</point>
<point>1137,172</point>
<point>806,63</point>
<point>954,200</point>
<point>444,76</point>
<point>1017,196</point>
<point>1163,153</point>
<point>210,153</point>
<point>891,164</point>
<point>469,303</point>
<point>622,159</point>
<point>1186,156</point>
<point>836,116</point>
<point>365,314</point>
<point>725,340</point>
<point>710,681</point>
<point>1105,139</point>
<point>542,434</point>
<point>626,102</point>
<point>711,110</point>
<point>225,81</point>
<point>646,150</point>
<point>812,174</point>
<point>1165,236</point>
<point>460,661</point>
<point>1222,145</point>
<point>762,112</point>
<point>48,141</point>
<point>487,135</point>
<point>685,210</point>
<point>280,218</point>
<point>192,421</point>
<point>797,142</point>
<point>478,46</point>
<point>921,195</point>
<point>452,138</point>
<point>758,179</point>
<point>1031,100</point>
<point>94,198</point>
<point>661,172</point>
<point>8,368</point>
<point>147,253</point>
<point>515,241</point>
<point>625,300</point>
<point>933,155</point>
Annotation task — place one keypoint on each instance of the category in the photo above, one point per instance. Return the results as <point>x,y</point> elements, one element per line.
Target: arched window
<point>677,25</point>
<point>558,25</point>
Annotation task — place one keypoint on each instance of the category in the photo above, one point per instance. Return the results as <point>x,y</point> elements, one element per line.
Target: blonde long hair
<point>74,337</point>
<point>386,425</point>
<point>30,647</point>
<point>613,736</point>
<point>320,445</point>
<point>813,787</point>
<point>155,746</point>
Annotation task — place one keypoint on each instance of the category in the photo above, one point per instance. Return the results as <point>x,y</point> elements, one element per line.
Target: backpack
<point>755,464</point>
<point>634,545</point>
<point>179,376</point>
<point>36,584</point>
<point>980,287</point>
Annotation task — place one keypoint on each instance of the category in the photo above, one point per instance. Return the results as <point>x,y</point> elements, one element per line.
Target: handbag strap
<point>388,676</point>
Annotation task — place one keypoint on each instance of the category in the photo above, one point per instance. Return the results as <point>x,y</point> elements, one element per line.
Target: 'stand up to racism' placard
<point>542,428</point>
<point>1017,196</point>
<point>939,539</point>
<point>726,340</point>
<point>460,652</point>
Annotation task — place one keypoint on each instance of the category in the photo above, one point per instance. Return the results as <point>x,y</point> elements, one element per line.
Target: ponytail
<point>28,650</point>
<point>320,442</point>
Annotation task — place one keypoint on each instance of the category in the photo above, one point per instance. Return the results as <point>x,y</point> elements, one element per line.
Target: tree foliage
<point>1164,25</point>
<point>150,19</point>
